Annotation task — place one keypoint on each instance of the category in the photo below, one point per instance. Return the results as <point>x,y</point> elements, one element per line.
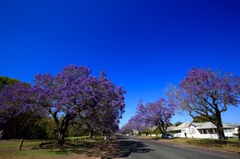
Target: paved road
<point>135,148</point>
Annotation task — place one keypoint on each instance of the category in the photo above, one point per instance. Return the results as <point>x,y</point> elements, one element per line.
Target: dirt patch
<point>100,151</point>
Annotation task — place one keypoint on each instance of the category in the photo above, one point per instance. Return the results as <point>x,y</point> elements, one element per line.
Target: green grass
<point>30,148</point>
<point>9,148</point>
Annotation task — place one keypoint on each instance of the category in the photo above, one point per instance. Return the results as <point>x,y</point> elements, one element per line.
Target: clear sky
<point>140,44</point>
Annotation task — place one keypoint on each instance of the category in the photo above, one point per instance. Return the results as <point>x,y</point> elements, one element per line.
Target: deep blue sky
<point>141,45</point>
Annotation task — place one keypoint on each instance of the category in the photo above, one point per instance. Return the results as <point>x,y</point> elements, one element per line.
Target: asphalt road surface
<point>135,148</point>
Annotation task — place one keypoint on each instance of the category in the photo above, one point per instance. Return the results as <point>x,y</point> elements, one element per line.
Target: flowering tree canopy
<point>74,93</point>
<point>206,93</point>
<point>14,106</point>
<point>13,101</point>
<point>159,114</point>
<point>153,114</point>
<point>136,123</point>
<point>71,94</point>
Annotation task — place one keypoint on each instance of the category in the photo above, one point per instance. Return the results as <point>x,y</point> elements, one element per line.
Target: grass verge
<point>31,149</point>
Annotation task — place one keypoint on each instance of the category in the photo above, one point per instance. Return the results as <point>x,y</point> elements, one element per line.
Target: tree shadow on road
<point>127,147</point>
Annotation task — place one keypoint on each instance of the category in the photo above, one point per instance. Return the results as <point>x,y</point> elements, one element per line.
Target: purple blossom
<point>153,114</point>
<point>71,94</point>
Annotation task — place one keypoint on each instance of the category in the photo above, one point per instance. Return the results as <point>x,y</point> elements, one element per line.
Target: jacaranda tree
<point>126,129</point>
<point>137,123</point>
<point>156,113</point>
<point>10,103</point>
<point>74,93</point>
<point>207,94</point>
<point>13,107</point>
<point>159,114</point>
<point>106,119</point>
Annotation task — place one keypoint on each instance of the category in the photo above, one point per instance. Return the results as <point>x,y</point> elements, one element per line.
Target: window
<point>204,131</point>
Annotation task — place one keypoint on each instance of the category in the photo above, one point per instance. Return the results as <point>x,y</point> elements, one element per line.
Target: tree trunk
<point>90,134</point>
<point>61,126</point>
<point>221,133</point>
<point>219,126</point>
<point>61,133</point>
<point>15,129</point>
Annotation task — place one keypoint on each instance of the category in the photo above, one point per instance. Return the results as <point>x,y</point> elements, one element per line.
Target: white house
<point>230,130</point>
<point>202,130</point>
<point>178,131</point>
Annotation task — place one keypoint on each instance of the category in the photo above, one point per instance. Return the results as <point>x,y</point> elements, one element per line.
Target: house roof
<point>226,125</point>
<point>206,125</point>
<point>184,125</point>
<point>180,127</point>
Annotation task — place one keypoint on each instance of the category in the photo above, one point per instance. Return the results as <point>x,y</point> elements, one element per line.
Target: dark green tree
<point>178,123</point>
<point>200,119</point>
<point>7,81</point>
